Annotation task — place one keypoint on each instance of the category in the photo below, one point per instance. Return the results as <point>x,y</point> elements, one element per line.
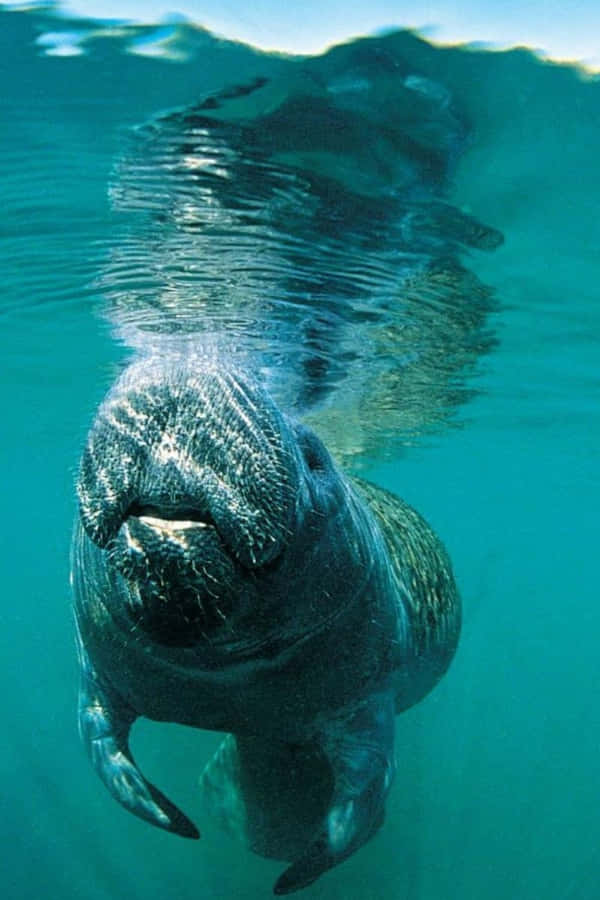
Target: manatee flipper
<point>360,748</point>
<point>104,725</point>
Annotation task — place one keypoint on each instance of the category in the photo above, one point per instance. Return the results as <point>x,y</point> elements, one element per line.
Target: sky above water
<point>562,31</point>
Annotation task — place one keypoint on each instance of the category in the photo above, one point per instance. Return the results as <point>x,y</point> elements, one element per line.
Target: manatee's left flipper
<point>360,748</point>
<point>104,725</point>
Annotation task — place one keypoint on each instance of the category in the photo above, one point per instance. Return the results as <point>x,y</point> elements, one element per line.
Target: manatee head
<point>205,503</point>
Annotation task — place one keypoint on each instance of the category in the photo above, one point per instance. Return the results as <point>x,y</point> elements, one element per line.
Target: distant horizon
<point>543,26</point>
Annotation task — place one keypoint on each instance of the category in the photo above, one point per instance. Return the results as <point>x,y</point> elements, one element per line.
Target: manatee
<point>291,278</point>
<point>228,576</point>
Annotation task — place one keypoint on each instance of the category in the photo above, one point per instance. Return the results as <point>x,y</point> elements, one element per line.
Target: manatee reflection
<point>300,223</point>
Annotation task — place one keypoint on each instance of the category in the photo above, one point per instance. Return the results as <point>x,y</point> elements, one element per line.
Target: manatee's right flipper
<point>104,725</point>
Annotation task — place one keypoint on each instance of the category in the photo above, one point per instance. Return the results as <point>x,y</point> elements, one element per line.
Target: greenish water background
<point>498,783</point>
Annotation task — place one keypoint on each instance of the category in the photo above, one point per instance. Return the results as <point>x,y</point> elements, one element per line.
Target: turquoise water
<point>498,785</point>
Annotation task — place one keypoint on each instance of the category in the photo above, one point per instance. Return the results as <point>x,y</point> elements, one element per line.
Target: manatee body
<point>228,576</point>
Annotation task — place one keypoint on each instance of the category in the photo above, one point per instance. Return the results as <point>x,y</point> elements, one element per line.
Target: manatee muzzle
<point>181,582</point>
<point>188,483</point>
<point>151,546</point>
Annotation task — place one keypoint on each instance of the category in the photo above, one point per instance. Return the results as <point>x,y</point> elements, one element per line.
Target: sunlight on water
<point>337,222</point>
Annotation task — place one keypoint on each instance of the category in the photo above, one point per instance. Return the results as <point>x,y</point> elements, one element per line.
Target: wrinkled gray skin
<point>228,576</point>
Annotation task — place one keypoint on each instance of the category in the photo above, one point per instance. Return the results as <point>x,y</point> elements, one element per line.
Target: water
<point>495,443</point>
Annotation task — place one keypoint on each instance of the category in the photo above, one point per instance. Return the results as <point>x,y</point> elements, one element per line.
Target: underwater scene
<point>383,261</point>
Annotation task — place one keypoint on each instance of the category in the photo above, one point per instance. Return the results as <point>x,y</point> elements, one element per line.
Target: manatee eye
<point>313,460</point>
<point>314,453</point>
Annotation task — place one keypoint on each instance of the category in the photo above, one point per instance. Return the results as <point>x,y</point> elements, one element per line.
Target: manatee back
<point>425,586</point>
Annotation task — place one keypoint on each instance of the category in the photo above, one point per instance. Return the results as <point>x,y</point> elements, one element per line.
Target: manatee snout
<point>188,483</point>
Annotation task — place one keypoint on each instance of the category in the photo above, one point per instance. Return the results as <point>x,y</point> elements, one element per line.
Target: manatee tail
<point>268,794</point>
<point>310,804</point>
<point>360,750</point>
<point>104,725</point>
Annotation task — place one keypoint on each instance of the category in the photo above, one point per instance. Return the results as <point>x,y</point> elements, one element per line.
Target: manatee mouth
<point>173,543</point>
<point>179,533</point>
<point>181,579</point>
<point>170,518</point>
